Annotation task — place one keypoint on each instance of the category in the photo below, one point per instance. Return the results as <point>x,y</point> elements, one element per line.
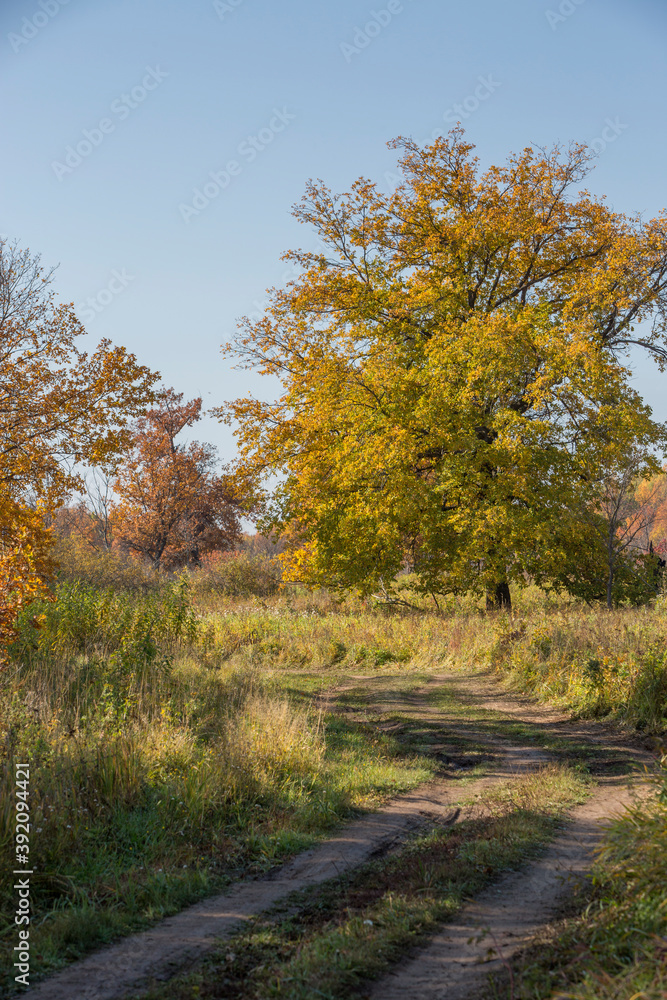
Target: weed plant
<point>591,661</point>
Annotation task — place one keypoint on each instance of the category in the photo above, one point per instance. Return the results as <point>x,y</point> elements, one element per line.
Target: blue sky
<point>157,95</point>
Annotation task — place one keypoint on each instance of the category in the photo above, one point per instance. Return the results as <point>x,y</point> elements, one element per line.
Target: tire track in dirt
<point>178,941</point>
<point>504,918</point>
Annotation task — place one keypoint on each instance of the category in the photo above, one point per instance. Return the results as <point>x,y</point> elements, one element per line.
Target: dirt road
<point>504,917</point>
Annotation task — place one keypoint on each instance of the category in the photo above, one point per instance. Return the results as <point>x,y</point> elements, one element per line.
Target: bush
<point>83,619</point>
<point>238,574</point>
<point>78,563</point>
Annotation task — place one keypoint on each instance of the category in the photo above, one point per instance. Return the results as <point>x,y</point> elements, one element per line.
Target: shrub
<point>78,563</point>
<point>238,574</point>
<point>136,628</point>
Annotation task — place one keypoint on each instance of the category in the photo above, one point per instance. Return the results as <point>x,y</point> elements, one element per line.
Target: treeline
<point>455,400</point>
<point>162,501</point>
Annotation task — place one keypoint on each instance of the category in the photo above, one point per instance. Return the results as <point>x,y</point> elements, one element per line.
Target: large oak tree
<point>453,365</point>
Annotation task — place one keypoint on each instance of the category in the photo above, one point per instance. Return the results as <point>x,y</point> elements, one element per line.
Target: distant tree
<point>616,560</point>
<point>257,544</point>
<point>172,506</point>
<point>91,519</point>
<point>630,506</point>
<point>653,493</point>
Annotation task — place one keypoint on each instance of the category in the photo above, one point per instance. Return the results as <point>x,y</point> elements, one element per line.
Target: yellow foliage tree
<point>24,565</point>
<point>451,366</point>
<point>59,407</point>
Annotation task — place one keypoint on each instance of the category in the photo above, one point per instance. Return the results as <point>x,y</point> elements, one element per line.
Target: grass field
<point>179,738</point>
<point>161,767</point>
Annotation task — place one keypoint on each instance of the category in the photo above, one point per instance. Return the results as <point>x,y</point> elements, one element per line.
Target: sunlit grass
<point>158,772</point>
<point>177,745</point>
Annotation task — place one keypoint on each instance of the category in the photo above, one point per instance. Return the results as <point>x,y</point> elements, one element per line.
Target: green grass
<point>158,773</point>
<point>591,662</point>
<point>330,941</point>
<point>156,835</point>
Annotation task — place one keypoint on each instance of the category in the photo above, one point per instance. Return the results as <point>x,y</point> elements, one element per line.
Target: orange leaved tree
<point>652,494</point>
<point>172,505</point>
<point>60,407</point>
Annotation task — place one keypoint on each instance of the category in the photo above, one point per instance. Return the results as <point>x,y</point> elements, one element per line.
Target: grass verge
<point>153,785</point>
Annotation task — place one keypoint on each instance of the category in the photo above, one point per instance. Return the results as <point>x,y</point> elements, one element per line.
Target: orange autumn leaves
<point>64,411</point>
<point>59,407</point>
<point>172,506</point>
<point>652,494</point>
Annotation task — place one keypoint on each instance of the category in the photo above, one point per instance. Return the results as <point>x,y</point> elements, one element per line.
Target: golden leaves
<point>449,368</point>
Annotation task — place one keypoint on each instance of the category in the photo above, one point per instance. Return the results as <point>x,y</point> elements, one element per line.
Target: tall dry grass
<point>163,762</point>
<point>591,661</point>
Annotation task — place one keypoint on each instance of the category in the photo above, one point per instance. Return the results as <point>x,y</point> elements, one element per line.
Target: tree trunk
<point>499,598</point>
<point>610,567</point>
